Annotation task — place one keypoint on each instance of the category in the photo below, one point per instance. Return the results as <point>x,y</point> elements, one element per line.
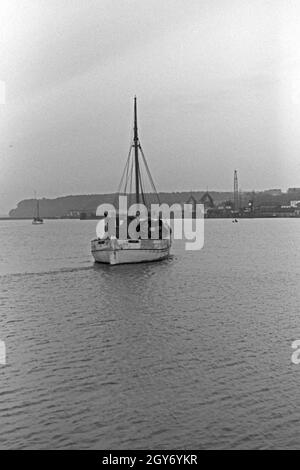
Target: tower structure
<point>236,191</point>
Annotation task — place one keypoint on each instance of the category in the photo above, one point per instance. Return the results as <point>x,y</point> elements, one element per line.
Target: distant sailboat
<point>37,220</point>
<point>120,249</point>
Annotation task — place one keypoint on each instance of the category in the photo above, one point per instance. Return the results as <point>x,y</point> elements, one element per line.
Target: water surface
<point>191,352</point>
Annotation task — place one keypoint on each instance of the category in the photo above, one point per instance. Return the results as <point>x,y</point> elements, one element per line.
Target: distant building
<point>249,208</point>
<point>207,201</point>
<point>293,190</point>
<point>73,214</point>
<point>273,192</point>
<point>88,215</point>
<point>229,205</point>
<point>192,200</point>
<point>275,211</point>
<point>297,211</point>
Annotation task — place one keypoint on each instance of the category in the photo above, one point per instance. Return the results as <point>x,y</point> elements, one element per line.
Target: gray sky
<point>218,86</point>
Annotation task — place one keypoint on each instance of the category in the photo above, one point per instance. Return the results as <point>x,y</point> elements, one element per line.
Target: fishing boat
<point>119,247</point>
<point>37,220</point>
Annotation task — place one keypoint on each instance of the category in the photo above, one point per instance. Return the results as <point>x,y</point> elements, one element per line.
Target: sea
<point>193,352</point>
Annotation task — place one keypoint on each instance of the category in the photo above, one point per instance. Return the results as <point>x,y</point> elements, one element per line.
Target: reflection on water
<point>190,352</point>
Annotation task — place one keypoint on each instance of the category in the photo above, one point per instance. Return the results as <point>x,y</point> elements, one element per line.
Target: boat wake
<point>43,273</point>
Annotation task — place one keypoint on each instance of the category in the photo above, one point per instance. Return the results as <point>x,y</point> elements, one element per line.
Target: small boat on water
<point>37,220</point>
<point>120,248</point>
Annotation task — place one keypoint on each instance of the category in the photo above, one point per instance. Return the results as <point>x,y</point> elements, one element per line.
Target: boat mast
<point>37,209</point>
<point>136,155</point>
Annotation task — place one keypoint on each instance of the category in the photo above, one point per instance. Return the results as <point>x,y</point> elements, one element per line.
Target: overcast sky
<point>217,81</point>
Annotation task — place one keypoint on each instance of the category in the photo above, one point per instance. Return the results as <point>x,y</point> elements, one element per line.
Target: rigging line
<point>146,188</point>
<point>126,180</point>
<point>141,186</point>
<point>146,199</point>
<point>122,179</point>
<point>123,174</point>
<point>130,187</point>
<point>128,160</point>
<point>129,173</point>
<point>149,174</point>
<point>129,155</point>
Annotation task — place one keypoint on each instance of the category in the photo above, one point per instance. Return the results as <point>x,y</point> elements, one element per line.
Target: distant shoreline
<point>220,204</point>
<point>206,218</point>
<point>28,218</point>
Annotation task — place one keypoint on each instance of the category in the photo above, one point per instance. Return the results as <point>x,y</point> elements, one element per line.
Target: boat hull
<point>37,222</point>
<point>125,251</point>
